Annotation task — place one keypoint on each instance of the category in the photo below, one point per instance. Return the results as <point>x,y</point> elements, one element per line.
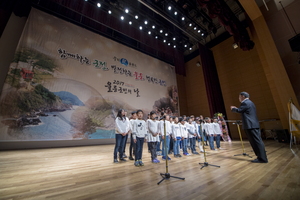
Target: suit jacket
<point>248,112</point>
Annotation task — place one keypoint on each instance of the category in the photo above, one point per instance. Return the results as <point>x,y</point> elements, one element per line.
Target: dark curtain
<point>212,83</point>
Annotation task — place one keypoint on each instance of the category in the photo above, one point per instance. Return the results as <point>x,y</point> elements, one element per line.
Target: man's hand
<point>134,140</point>
<point>231,107</point>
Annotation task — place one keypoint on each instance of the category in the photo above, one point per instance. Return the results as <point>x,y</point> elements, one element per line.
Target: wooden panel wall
<point>239,71</point>
<point>194,92</point>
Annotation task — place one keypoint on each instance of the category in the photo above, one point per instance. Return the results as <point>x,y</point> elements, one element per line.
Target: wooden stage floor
<point>89,173</point>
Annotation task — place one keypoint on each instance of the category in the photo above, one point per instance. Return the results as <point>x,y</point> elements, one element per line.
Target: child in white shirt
<point>153,136</point>
<point>139,134</point>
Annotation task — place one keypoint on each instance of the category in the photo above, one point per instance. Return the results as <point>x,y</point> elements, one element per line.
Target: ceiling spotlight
<point>169,8</point>
<point>109,11</point>
<point>122,17</point>
<point>136,17</point>
<point>141,27</point>
<point>166,34</point>
<point>153,27</point>
<point>174,38</point>
<point>156,37</point>
<point>164,41</point>
<point>85,0</point>
<point>195,28</point>
<point>174,46</point>
<point>126,10</point>
<point>149,32</point>
<point>175,13</point>
<point>190,24</point>
<point>202,34</point>
<point>130,22</point>
<point>191,48</point>
<point>199,31</point>
<point>161,31</point>
<point>182,18</point>
<point>98,5</point>
<point>185,45</point>
<point>146,22</point>
<point>169,44</point>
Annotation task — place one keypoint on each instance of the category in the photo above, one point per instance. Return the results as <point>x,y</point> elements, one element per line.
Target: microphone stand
<point>205,164</point>
<point>167,175</point>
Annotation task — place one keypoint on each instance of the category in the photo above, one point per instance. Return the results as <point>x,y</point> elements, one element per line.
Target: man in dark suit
<point>251,126</point>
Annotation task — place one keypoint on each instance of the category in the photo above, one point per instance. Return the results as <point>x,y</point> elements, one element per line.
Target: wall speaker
<point>283,135</point>
<point>295,43</point>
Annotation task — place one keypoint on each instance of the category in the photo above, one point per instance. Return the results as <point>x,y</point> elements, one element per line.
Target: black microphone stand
<point>205,164</point>
<point>167,175</point>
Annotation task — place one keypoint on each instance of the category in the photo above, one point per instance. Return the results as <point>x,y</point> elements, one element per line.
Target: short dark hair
<point>152,113</point>
<point>180,119</point>
<point>139,111</point>
<point>133,112</point>
<point>245,94</point>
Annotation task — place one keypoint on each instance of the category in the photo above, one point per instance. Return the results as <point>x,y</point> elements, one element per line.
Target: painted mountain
<point>69,98</point>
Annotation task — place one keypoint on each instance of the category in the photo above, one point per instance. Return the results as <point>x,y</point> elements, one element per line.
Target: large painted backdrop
<point>68,83</point>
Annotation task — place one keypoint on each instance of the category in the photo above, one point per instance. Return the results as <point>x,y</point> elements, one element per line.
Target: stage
<point>89,173</point>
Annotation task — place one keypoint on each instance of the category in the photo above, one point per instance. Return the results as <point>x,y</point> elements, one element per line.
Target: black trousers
<point>257,144</point>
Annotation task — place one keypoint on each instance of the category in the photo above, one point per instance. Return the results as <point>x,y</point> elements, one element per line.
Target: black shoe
<point>131,158</point>
<point>179,155</point>
<point>123,159</point>
<point>195,152</point>
<point>258,161</point>
<point>124,155</point>
<point>116,161</point>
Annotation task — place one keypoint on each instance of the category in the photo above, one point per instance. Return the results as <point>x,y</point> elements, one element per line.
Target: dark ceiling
<point>160,28</point>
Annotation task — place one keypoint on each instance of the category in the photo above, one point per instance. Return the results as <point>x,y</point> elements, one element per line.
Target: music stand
<point>239,130</point>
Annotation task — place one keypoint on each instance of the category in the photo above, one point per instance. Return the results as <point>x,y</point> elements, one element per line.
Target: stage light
<point>149,32</point>
<point>166,34</point>
<point>174,46</point>
<point>161,31</point>
<point>164,41</point>
<point>182,18</point>
<point>174,38</point>
<point>190,24</point>
<point>199,31</point>
<point>98,5</point>
<point>169,44</point>
<point>169,8</point>
<point>85,0</point>
<point>156,37</point>
<point>130,22</point>
<point>136,17</point>
<point>175,13</point>
<point>191,48</point>
<point>141,27</point>
<point>109,11</point>
<point>122,17</point>
<point>185,45</point>
<point>126,10</point>
<point>153,27</point>
<point>202,34</point>
<point>146,22</point>
<point>195,28</point>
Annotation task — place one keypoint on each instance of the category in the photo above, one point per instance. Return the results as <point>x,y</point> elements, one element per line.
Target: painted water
<point>55,126</point>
